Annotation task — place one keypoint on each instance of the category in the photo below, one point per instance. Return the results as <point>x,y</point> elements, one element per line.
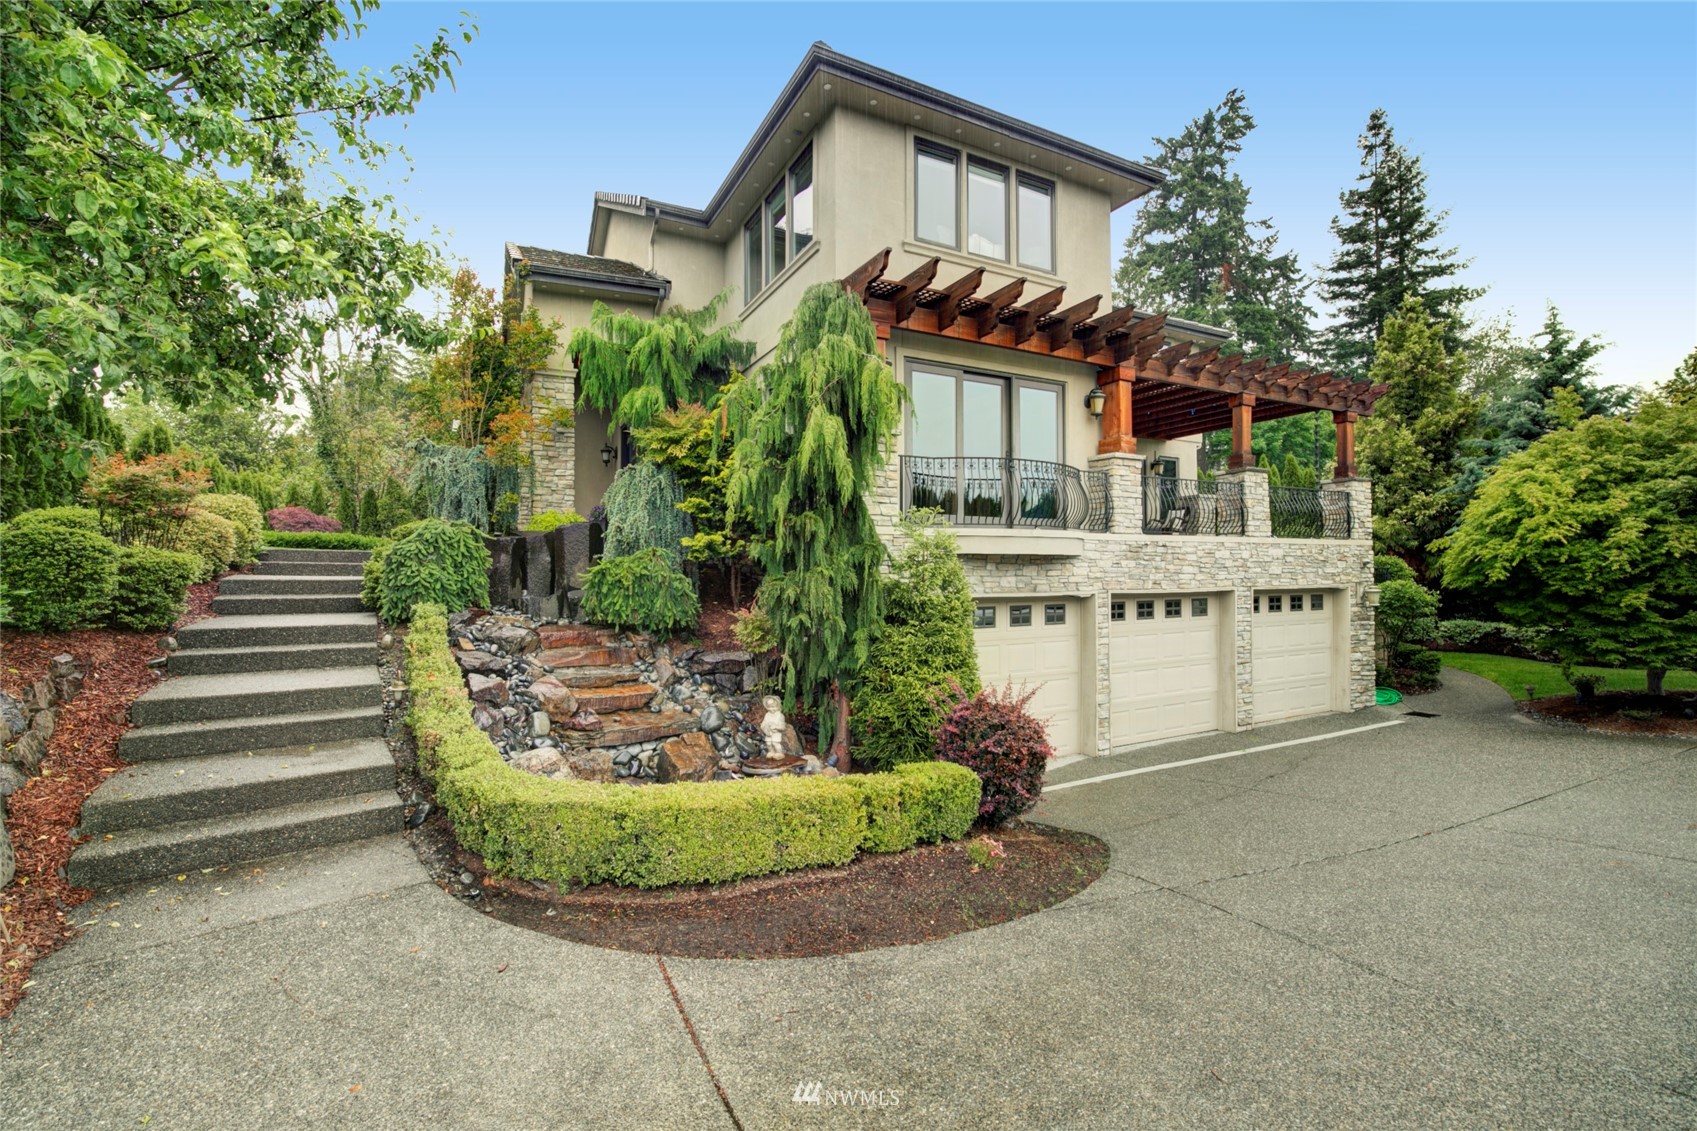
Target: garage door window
<point>1296,602</point>
<point>1199,606</point>
<point>1275,603</point>
<point>1317,602</point>
<point>1145,610</point>
<point>1116,610</point>
<point>1019,616</point>
<point>1054,614</point>
<point>984,616</point>
<point>1175,606</point>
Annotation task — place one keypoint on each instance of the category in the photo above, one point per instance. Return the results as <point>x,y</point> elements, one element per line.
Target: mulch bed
<point>927,893</point>
<point>1602,712</point>
<point>81,754</point>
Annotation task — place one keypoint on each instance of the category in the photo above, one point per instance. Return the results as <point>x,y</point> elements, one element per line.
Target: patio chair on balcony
<point>1170,523</point>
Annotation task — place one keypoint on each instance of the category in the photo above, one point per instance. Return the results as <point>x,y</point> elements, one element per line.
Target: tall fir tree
<point>1411,446</point>
<point>1193,251</point>
<point>1388,250</point>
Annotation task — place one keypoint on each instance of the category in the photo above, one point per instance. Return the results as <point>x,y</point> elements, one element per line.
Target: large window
<point>984,445</point>
<point>780,228</point>
<point>1036,223</point>
<point>934,193</point>
<point>948,184</point>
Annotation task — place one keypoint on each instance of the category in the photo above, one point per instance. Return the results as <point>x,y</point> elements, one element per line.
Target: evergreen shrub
<point>642,513</point>
<point>370,522</point>
<point>925,647</point>
<point>576,832</point>
<point>210,538</point>
<point>151,587</point>
<point>244,512</point>
<point>993,735</point>
<point>644,590</point>
<point>1389,567</point>
<point>441,563</point>
<point>80,518</point>
<point>547,520</point>
<point>55,577</point>
<point>320,540</point>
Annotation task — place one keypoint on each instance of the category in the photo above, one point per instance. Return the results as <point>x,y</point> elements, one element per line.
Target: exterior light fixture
<point>606,455</point>
<point>1093,402</point>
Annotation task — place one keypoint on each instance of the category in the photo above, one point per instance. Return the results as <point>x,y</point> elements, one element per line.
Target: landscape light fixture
<point>1094,400</point>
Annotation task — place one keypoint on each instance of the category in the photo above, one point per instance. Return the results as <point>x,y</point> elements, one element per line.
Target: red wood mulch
<point>81,754</point>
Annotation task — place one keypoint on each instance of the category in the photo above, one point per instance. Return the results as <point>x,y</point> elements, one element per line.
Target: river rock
<point>28,752</point>
<point>544,760</point>
<point>688,757</point>
<point>792,743</point>
<point>540,724</point>
<point>487,689</point>
<point>712,719</point>
<point>725,663</point>
<point>513,639</point>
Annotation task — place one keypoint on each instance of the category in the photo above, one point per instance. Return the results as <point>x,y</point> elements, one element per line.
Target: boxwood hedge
<point>585,832</point>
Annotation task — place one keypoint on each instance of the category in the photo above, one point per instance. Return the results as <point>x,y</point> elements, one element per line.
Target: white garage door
<point>1164,665</point>
<point>1292,654</point>
<point>1037,643</point>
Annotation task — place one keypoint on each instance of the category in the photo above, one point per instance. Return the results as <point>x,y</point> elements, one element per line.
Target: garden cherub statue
<point>772,727</point>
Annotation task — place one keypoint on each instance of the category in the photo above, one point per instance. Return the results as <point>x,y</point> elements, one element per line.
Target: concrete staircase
<point>267,739</point>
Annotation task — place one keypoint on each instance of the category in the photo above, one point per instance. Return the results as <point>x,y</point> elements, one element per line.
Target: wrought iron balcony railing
<point>1309,512</point>
<point>992,491</point>
<point>1190,506</point>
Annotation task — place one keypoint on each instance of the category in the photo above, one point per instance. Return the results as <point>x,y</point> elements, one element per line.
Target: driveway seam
<point>1593,844</point>
<point>689,1027</point>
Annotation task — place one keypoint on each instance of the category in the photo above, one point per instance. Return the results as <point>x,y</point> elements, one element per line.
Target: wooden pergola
<point>1152,388</point>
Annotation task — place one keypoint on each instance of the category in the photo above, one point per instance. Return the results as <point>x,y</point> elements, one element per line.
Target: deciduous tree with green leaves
<point>1388,250</point>
<point>179,203</point>
<point>813,432</point>
<point>1592,532</point>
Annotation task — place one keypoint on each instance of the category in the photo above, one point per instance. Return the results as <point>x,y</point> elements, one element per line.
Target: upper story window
<point>780,228</point>
<point>947,183</point>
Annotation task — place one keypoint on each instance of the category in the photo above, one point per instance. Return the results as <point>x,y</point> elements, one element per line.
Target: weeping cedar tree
<point>812,433</point>
<point>1590,531</point>
<point>1387,251</point>
<point>634,368</point>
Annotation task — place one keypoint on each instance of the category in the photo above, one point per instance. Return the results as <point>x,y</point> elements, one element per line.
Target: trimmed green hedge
<point>320,540</point>
<point>650,836</point>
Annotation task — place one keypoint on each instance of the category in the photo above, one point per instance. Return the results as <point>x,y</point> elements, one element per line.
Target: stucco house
<point>1060,434</point>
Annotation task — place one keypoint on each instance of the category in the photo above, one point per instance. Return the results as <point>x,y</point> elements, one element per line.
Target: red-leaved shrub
<point>993,735</point>
<point>299,518</point>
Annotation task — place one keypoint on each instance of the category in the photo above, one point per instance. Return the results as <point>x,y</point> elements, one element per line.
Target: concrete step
<point>235,695</point>
<point>286,555</point>
<point>259,585</point>
<point>272,658</point>
<point>587,656</point>
<point>261,630</point>
<point>636,726</point>
<point>224,736</point>
<point>597,677</point>
<point>138,854</point>
<point>316,569</point>
<point>222,785</point>
<point>619,697</point>
<point>240,605</point>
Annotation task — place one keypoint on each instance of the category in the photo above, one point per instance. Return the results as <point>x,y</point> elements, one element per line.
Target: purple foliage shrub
<point>299,519</point>
<point>993,735</point>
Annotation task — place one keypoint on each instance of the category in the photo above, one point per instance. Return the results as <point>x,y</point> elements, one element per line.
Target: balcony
<point>1191,506</point>
<point>1309,512</point>
<point>1018,493</point>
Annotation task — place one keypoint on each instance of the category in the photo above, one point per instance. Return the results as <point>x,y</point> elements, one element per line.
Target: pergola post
<point>1345,424</point>
<point>1116,424</point>
<point>1243,416</point>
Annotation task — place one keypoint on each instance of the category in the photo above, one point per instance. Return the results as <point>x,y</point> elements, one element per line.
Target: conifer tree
<point>1411,446</point>
<point>634,368</point>
<point>1387,251</point>
<point>813,431</point>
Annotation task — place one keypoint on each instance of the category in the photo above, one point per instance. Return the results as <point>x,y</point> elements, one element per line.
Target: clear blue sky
<point>1561,137</point>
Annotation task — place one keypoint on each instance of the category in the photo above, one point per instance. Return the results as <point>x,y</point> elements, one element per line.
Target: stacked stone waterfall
<point>268,739</point>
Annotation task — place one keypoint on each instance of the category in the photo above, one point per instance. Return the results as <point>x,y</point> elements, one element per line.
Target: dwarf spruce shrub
<point>55,577</point>
<point>993,735</point>
<point>80,518</point>
<point>926,644</point>
<point>442,563</point>
<point>643,590</point>
<point>245,514</point>
<point>150,589</point>
<point>577,832</point>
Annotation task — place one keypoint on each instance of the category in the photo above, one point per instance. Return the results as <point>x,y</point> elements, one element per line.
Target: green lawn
<point>1513,674</point>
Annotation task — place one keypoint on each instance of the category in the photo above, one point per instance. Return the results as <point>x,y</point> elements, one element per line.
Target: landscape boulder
<point>688,757</point>
<point>556,698</point>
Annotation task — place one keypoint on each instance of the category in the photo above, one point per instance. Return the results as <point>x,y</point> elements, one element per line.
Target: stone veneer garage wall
<point>1098,566</point>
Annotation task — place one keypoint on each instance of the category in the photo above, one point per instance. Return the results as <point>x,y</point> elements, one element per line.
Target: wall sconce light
<point>606,455</point>
<point>1094,400</point>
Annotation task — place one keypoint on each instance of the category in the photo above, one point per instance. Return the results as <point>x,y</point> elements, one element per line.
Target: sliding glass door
<point>983,449</point>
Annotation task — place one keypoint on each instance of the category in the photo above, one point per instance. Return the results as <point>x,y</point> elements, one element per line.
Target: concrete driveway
<point>1467,921</point>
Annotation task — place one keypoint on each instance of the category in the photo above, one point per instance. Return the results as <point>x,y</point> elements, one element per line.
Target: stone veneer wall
<point>552,482</point>
<point>1125,560</point>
